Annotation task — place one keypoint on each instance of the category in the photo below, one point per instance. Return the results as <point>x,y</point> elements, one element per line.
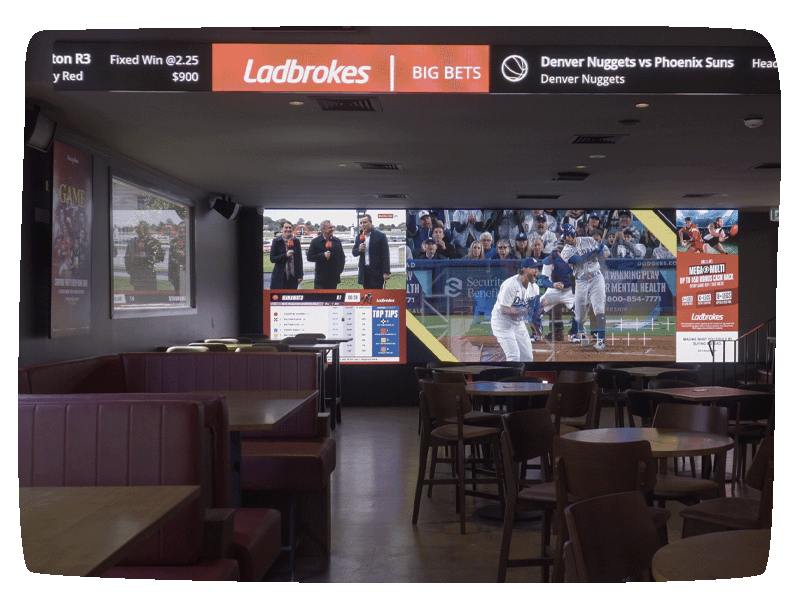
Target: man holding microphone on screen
<point>326,252</point>
<point>372,249</point>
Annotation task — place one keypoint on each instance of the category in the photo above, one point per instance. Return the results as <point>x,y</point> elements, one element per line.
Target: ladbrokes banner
<point>349,68</point>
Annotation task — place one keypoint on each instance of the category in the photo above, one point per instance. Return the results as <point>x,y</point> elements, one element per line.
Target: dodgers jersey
<point>582,246</point>
<point>513,294</point>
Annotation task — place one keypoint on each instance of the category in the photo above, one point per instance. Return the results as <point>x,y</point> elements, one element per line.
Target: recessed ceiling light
<point>597,156</point>
<point>642,105</point>
<point>296,103</point>
<point>341,165</point>
<point>580,167</point>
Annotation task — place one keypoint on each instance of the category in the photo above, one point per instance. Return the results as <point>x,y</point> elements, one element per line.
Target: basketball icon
<point>514,68</point>
<point>734,229</point>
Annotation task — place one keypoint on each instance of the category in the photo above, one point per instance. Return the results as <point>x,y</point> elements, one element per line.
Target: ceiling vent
<point>572,176</point>
<point>540,197</point>
<point>368,104</point>
<point>590,139</point>
<point>391,196</point>
<point>699,195</point>
<point>380,166</point>
<point>767,166</point>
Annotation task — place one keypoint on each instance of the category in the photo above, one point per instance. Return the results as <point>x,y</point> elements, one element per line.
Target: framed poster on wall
<point>71,274</point>
<point>151,251</point>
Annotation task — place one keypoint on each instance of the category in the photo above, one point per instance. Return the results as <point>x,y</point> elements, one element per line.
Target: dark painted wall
<point>216,266</point>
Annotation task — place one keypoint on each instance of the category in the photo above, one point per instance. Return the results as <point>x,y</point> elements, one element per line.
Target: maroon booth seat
<point>126,443</point>
<point>256,531</point>
<point>159,372</point>
<point>297,469</point>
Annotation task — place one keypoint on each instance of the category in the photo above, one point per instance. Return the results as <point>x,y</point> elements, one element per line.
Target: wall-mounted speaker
<point>39,130</point>
<point>225,207</point>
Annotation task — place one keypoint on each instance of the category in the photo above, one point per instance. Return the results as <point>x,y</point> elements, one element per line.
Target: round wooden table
<point>716,556</point>
<point>516,389</point>
<point>663,442</point>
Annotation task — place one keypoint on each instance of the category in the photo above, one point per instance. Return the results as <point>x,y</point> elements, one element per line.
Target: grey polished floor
<point>372,502</point>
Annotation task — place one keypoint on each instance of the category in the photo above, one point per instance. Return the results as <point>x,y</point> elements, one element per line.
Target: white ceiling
<point>456,150</point>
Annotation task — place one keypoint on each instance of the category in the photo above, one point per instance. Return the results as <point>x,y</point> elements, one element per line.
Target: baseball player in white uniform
<point>590,285</point>
<point>511,311</point>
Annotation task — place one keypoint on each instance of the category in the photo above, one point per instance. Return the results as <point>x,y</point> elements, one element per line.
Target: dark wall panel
<point>216,276</point>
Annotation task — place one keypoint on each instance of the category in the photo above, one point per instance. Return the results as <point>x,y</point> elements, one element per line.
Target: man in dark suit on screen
<point>372,249</point>
<point>328,256</point>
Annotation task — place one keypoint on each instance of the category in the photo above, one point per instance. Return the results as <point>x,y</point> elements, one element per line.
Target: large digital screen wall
<point>659,288</point>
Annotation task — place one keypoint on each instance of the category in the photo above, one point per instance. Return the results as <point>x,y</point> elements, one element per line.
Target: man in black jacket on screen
<point>372,249</point>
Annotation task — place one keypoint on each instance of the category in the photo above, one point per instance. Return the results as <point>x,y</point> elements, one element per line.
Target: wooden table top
<point>510,388</point>
<point>84,531</point>
<point>706,394</point>
<point>716,556</point>
<point>663,442</point>
<point>263,410</point>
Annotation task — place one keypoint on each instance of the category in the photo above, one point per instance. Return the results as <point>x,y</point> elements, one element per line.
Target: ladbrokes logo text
<point>293,72</point>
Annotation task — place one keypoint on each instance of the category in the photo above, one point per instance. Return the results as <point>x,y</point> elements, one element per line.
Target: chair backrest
<point>271,347</point>
<point>613,538</point>
<point>423,372</point>
<point>587,469</point>
<point>692,417</point>
<point>441,363</point>
<point>187,349</point>
<point>669,383</point>
<point>530,435</point>
<point>760,476</point>
<point>571,399</point>
<point>316,336</point>
<point>757,474</point>
<point>497,373</point>
<point>692,372</point>
<point>570,376</point>
<point>211,347</point>
<point>690,376</point>
<point>613,379</point>
<point>643,403</point>
<point>757,407</point>
<point>447,377</point>
<point>444,401</point>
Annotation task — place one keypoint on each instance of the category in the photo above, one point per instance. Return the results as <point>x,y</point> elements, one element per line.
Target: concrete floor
<point>372,502</point>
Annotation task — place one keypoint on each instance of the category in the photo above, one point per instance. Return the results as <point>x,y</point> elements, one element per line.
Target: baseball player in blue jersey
<point>516,301</point>
<point>557,278</point>
<point>590,285</point>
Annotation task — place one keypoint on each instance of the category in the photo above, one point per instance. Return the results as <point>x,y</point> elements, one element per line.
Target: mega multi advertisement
<point>708,283</point>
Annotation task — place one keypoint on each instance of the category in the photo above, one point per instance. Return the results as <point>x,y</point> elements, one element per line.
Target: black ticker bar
<point>138,66</point>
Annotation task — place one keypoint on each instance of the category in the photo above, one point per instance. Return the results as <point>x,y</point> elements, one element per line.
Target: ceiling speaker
<point>225,207</point>
<point>39,130</point>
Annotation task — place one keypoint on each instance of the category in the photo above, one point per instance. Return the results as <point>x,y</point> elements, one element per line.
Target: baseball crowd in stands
<point>516,234</point>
